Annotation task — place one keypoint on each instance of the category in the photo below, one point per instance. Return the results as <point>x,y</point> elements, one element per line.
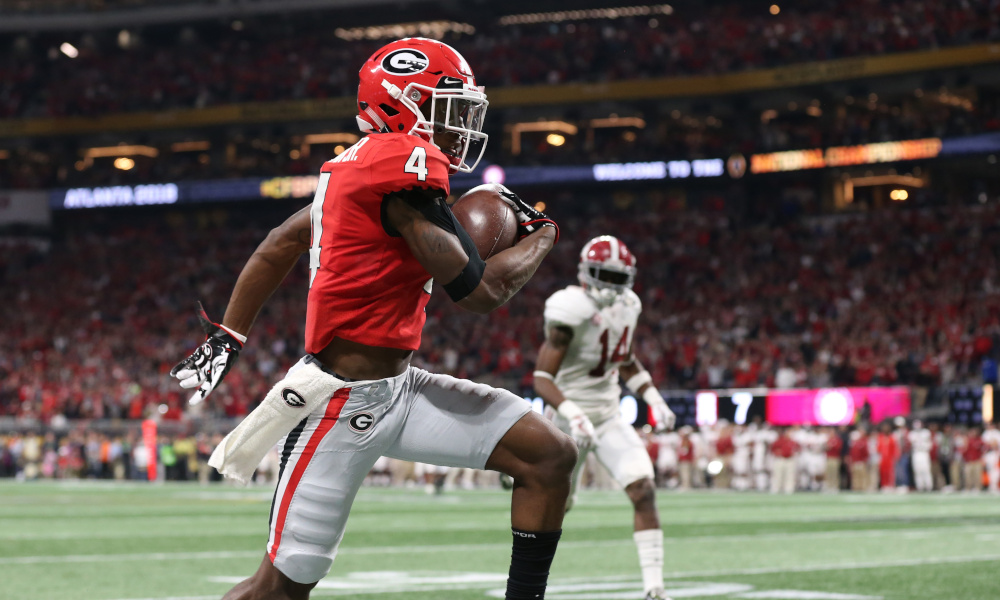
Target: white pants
<point>922,477</point>
<point>783,475</point>
<point>415,416</point>
<point>619,448</point>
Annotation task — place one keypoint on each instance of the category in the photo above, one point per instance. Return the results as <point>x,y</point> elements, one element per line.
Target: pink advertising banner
<point>835,406</point>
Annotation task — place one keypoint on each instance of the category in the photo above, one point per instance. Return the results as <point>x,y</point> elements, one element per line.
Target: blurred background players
<point>686,457</point>
<point>858,456</point>
<point>888,452</point>
<point>972,456</point>
<point>743,440</point>
<point>784,450</point>
<point>921,444</point>
<point>588,346</point>
<point>834,450</point>
<point>762,459</point>
<point>991,457</point>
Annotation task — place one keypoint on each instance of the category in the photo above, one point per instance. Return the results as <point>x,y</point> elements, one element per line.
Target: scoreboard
<point>820,406</point>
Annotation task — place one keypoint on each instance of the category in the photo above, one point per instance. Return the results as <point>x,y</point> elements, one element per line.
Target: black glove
<point>209,364</point>
<point>529,220</point>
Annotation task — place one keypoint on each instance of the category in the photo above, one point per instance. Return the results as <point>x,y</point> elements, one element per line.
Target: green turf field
<point>87,541</point>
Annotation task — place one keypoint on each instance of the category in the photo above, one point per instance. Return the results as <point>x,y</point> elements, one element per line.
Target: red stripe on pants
<point>329,419</point>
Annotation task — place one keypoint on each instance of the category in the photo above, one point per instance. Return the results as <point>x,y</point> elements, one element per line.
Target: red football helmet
<point>422,87</point>
<point>607,268</point>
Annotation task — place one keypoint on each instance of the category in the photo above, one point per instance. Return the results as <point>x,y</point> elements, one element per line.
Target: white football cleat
<point>657,594</point>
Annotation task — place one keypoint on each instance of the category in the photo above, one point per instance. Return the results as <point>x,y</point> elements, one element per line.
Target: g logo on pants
<point>361,422</point>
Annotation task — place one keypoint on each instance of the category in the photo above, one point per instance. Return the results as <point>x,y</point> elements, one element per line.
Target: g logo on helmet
<point>405,61</point>
<point>292,398</point>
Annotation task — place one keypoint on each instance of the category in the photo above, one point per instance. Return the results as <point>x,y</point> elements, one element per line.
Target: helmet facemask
<point>605,282</point>
<point>450,112</point>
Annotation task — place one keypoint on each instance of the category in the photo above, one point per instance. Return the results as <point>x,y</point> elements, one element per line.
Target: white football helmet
<point>607,268</point>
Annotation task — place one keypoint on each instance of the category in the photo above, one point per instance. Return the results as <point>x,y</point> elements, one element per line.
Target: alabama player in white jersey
<point>743,439</point>
<point>921,443</point>
<point>588,347</point>
<point>761,459</point>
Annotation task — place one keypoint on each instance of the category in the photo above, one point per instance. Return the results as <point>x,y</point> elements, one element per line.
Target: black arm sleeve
<point>431,203</point>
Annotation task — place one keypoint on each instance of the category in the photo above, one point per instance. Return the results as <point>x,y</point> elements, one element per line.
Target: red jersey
<point>365,284</point>
<point>784,447</point>
<point>859,450</point>
<point>724,446</point>
<point>974,448</point>
<point>888,450</point>
<point>834,445</point>
<point>686,452</point>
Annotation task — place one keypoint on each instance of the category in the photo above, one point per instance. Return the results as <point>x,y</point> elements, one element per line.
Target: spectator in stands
<point>262,62</point>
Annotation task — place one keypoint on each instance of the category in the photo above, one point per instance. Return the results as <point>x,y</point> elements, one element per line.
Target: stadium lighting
<point>327,138</point>
<point>190,146</point>
<point>540,206</point>
<point>69,50</point>
<point>124,39</point>
<point>583,15</point>
<point>775,9</point>
<point>555,139</point>
<point>551,126</point>
<point>899,195</point>
<point>124,164</point>
<point>428,29</point>
<point>89,154</point>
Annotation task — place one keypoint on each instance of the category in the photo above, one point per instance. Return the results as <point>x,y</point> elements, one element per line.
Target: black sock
<point>529,563</point>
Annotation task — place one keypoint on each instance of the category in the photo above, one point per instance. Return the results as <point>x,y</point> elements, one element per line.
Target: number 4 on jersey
<point>417,163</point>
<point>620,353</point>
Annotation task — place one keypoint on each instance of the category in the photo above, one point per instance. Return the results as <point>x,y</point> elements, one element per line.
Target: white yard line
<point>874,532</point>
<point>90,558</point>
<point>903,562</point>
<point>442,548</point>
<point>325,591</point>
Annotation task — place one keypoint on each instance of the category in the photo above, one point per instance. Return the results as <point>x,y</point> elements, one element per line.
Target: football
<point>489,220</point>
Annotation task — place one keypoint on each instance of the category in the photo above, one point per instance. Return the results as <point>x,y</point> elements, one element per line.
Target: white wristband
<point>652,396</point>
<point>638,380</point>
<point>242,338</point>
<point>569,410</point>
<point>543,375</point>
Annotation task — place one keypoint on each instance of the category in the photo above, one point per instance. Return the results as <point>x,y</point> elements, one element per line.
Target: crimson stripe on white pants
<point>321,427</point>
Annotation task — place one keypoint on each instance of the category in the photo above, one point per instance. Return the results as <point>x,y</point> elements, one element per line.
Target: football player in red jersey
<point>381,232</point>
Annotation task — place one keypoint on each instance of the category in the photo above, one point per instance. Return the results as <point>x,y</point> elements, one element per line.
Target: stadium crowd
<point>91,327</point>
<point>297,58</point>
<point>667,135</point>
